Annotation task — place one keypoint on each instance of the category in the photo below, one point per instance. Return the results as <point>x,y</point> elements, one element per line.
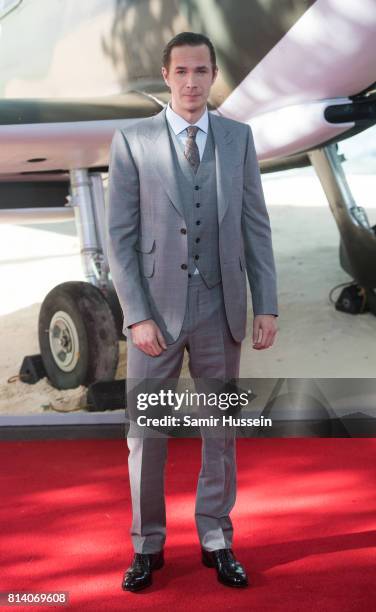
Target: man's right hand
<point>147,336</point>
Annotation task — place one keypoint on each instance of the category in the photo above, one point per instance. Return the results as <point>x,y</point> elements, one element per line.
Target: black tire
<point>78,336</point>
<point>113,302</point>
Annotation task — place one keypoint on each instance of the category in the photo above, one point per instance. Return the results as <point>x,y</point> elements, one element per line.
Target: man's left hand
<point>264,331</point>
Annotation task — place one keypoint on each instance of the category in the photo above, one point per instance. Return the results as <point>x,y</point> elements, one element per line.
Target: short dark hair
<point>188,38</point>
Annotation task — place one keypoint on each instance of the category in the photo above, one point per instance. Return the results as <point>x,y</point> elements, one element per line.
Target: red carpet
<point>304,526</point>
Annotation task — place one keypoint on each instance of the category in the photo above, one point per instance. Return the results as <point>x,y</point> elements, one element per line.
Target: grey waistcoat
<point>207,248</point>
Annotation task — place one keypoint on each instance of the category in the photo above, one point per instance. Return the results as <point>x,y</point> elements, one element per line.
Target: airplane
<point>301,73</point>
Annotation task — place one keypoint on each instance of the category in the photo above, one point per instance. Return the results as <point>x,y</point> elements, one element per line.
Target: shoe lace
<point>139,562</point>
<point>226,554</point>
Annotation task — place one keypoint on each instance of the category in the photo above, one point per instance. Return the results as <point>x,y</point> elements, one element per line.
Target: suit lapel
<point>163,160</point>
<point>225,154</point>
<point>225,157</point>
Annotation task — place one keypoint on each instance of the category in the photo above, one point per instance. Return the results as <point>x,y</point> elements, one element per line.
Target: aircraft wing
<point>301,79</point>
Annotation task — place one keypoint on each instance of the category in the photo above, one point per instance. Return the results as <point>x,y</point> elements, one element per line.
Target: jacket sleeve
<point>257,237</point>
<point>122,230</point>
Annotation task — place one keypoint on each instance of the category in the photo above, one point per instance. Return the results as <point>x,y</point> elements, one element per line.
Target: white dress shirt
<point>179,126</point>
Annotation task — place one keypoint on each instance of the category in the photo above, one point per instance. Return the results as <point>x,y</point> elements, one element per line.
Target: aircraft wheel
<point>78,336</point>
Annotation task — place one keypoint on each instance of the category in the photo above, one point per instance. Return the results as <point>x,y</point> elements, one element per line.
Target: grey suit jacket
<point>145,215</point>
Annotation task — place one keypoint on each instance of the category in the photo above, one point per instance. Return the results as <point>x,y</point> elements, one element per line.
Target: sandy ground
<point>314,339</point>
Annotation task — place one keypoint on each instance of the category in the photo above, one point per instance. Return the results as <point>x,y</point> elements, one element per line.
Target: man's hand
<point>264,331</point>
<point>147,336</point>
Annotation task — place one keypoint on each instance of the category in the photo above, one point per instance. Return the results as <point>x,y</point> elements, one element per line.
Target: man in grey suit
<point>186,221</point>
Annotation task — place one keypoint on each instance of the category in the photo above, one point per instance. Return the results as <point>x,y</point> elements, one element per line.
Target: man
<point>186,220</point>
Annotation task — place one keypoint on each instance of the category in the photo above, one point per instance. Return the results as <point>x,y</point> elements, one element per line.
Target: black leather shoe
<point>229,571</point>
<point>139,575</point>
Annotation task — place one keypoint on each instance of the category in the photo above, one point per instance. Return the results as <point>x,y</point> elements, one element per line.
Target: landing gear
<point>358,239</point>
<point>78,336</point>
<point>80,323</point>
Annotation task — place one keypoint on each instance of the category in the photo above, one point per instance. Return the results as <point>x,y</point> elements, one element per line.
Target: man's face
<point>190,77</point>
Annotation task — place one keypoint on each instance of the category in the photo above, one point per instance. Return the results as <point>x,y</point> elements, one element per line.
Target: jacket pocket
<point>145,244</point>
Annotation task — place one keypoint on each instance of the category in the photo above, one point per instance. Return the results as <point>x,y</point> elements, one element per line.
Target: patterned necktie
<point>191,151</point>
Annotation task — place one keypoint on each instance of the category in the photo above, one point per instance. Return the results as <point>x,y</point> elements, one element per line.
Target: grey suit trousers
<point>213,353</point>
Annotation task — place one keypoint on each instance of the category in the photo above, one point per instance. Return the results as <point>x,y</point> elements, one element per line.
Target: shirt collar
<point>179,124</point>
